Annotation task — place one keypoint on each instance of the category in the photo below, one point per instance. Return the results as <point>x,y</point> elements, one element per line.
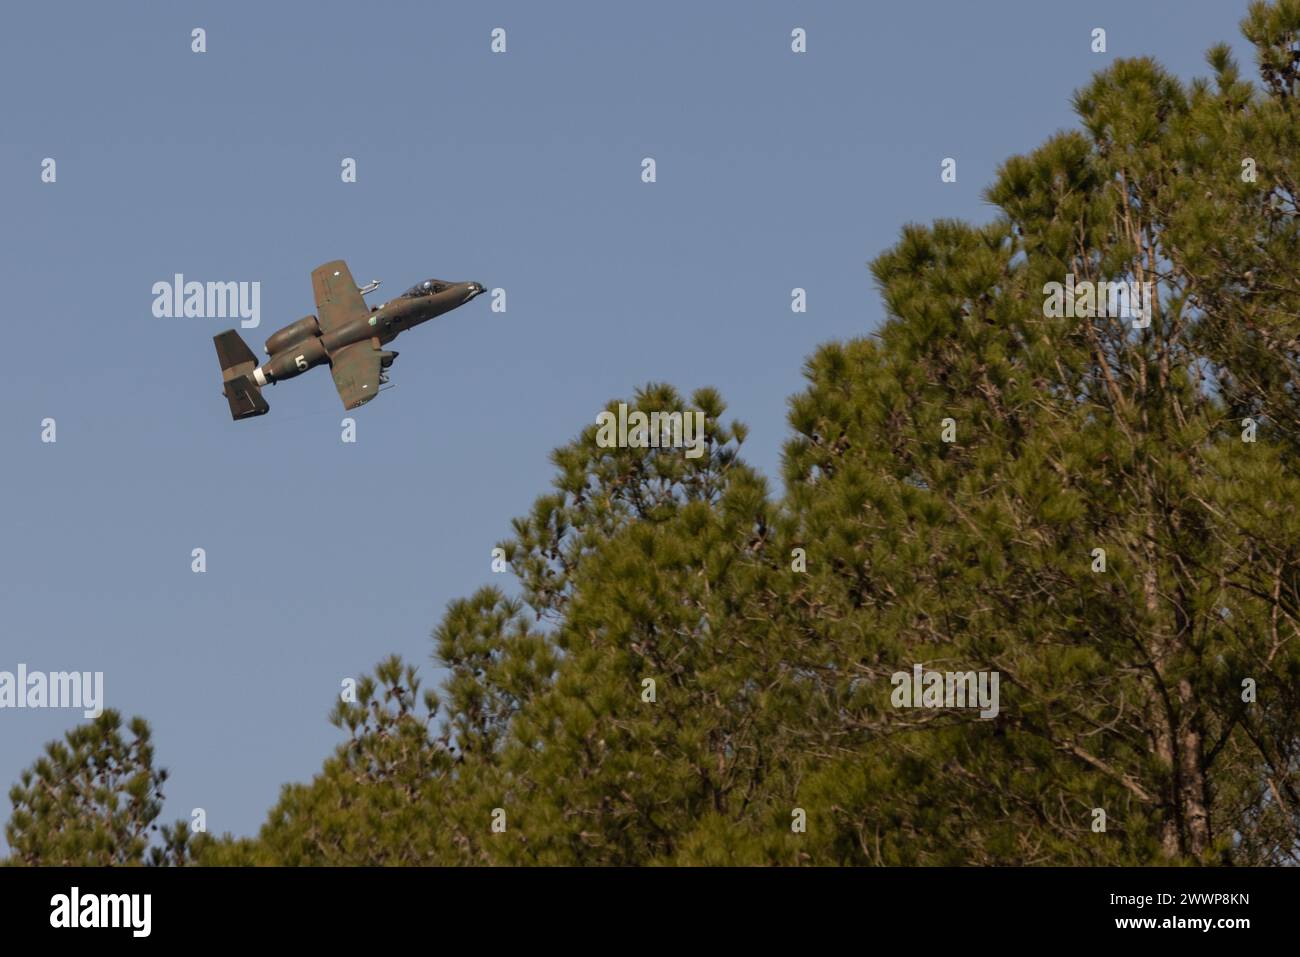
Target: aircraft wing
<point>356,373</point>
<point>337,296</point>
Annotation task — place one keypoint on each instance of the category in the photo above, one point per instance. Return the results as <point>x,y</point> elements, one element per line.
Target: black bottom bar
<point>338,906</point>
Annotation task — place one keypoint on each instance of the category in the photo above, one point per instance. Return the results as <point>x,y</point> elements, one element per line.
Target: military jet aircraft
<point>344,333</point>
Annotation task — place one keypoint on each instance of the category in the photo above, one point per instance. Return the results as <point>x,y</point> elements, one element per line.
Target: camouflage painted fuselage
<point>314,346</point>
<point>344,333</point>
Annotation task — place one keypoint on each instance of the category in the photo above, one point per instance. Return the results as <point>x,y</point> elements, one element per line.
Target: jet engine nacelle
<point>295,360</point>
<point>304,328</point>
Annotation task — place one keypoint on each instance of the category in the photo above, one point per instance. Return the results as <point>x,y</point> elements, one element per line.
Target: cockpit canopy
<point>426,288</point>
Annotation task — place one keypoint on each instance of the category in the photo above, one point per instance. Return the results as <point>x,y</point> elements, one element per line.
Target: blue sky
<point>520,170</point>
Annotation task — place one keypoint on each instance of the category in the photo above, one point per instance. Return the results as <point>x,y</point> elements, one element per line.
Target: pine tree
<point>91,800</point>
<point>1100,509</point>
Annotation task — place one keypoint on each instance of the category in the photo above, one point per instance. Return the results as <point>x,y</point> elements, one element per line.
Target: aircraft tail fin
<point>245,398</point>
<point>237,365</point>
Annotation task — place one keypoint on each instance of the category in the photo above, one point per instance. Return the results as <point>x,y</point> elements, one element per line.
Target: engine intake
<point>295,360</point>
<point>304,328</point>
